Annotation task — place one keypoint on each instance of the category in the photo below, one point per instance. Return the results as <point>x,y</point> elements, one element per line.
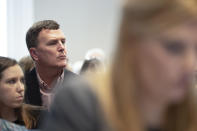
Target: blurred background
<point>86,23</point>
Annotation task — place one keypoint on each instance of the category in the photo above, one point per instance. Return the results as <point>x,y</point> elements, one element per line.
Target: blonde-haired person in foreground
<point>150,84</point>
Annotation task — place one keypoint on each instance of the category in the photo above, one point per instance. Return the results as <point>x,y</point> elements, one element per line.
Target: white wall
<point>19,18</point>
<point>3,28</point>
<point>86,23</point>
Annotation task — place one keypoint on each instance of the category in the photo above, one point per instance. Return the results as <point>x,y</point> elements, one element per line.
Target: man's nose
<point>61,47</point>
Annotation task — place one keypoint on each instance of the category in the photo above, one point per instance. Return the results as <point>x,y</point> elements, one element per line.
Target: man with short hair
<point>46,44</point>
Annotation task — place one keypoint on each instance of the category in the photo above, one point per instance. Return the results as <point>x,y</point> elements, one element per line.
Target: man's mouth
<point>62,57</point>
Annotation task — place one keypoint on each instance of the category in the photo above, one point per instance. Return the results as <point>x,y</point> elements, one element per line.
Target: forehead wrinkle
<point>51,35</point>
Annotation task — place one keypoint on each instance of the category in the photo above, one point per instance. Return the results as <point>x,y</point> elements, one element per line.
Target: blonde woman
<point>150,84</point>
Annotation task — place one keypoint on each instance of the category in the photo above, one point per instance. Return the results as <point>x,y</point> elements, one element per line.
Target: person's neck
<point>152,111</point>
<point>48,75</point>
<point>8,114</point>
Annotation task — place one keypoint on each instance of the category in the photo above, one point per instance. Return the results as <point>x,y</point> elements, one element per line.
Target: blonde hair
<point>31,115</point>
<point>117,88</point>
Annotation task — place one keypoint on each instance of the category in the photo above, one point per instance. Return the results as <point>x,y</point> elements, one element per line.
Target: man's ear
<point>33,53</point>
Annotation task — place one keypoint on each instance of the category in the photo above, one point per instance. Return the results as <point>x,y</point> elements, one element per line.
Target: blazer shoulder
<point>31,74</point>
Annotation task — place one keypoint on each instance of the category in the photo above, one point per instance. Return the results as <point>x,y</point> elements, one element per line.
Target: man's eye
<point>63,41</point>
<point>51,43</point>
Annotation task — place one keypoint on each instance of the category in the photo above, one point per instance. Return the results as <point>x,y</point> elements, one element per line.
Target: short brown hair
<point>33,32</point>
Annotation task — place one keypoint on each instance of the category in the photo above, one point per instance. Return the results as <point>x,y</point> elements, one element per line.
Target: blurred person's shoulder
<point>75,107</point>
<point>68,74</point>
<point>75,86</point>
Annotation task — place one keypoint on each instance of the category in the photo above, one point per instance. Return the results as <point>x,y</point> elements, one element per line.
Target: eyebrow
<point>13,77</point>
<point>55,40</point>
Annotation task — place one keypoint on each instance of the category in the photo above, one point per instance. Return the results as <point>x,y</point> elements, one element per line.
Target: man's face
<point>51,51</point>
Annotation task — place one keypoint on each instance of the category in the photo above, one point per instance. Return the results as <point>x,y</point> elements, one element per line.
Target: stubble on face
<point>51,49</point>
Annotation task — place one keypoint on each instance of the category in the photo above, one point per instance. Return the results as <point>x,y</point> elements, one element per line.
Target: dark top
<point>19,122</point>
<point>75,108</point>
<point>154,129</point>
<point>32,91</point>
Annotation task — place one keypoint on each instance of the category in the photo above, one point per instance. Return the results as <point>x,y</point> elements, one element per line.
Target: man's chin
<point>62,65</point>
